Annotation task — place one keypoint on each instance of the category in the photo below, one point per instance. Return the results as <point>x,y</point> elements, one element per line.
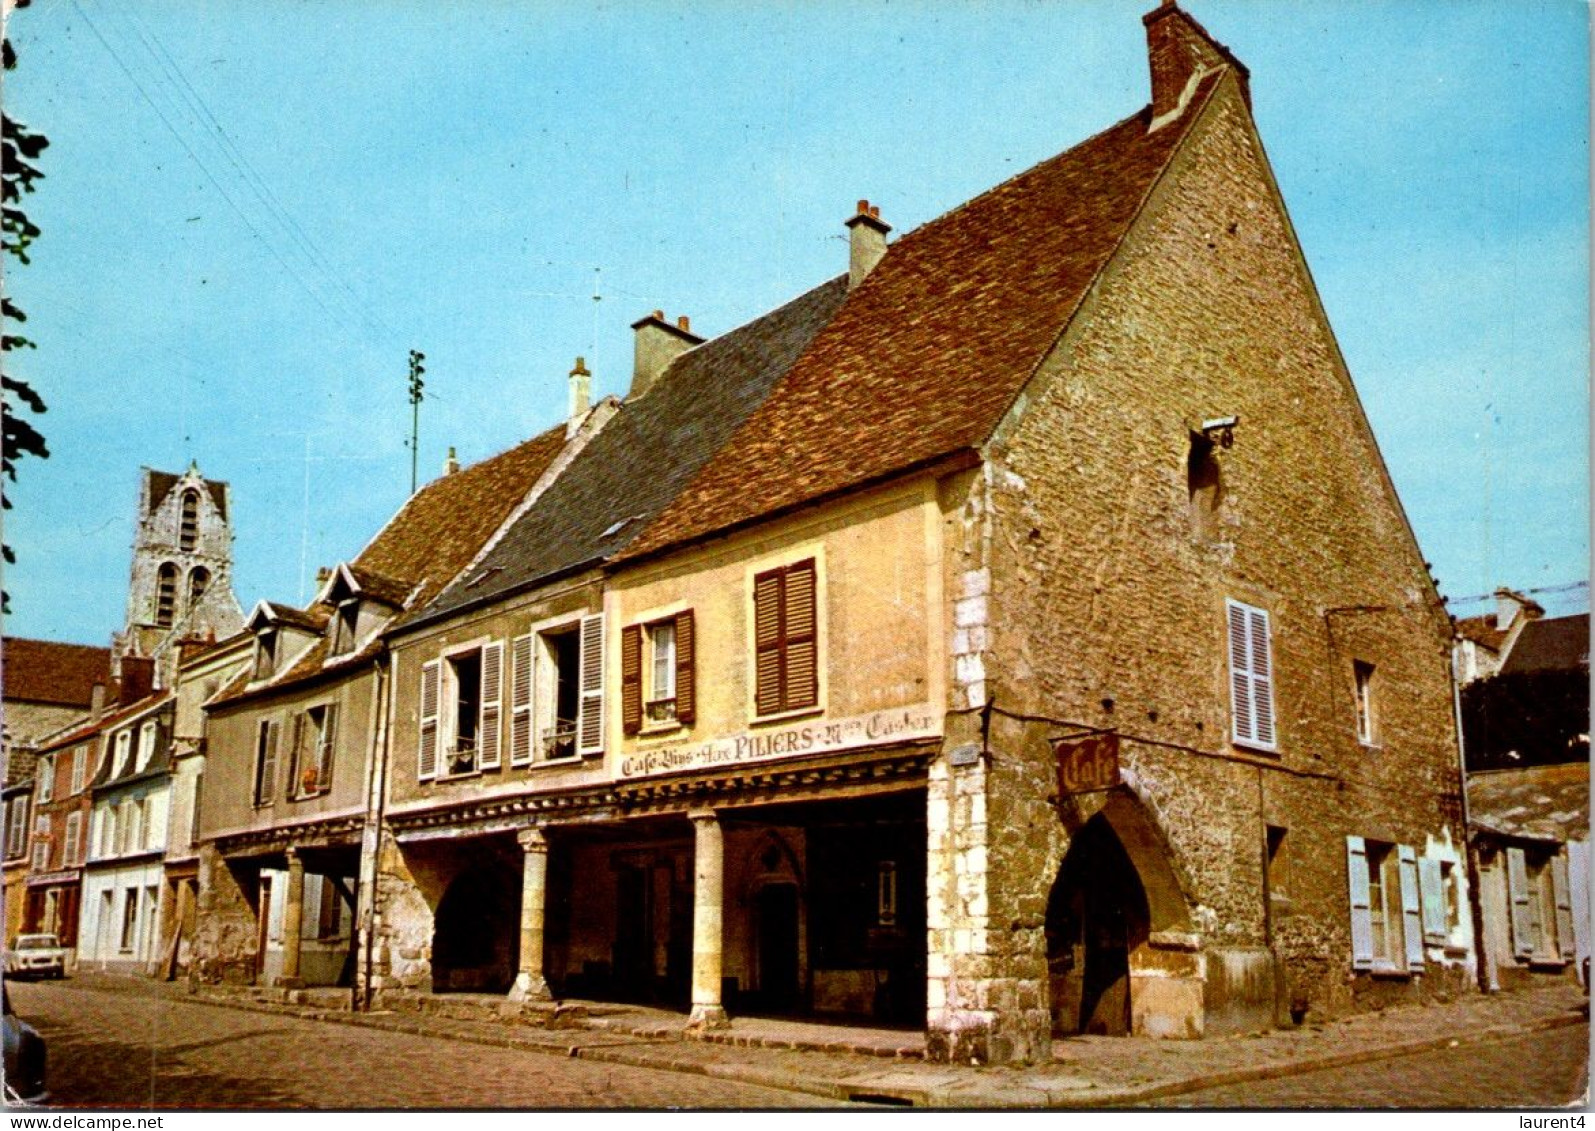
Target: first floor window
<point>72,854</point>
<point>461,712</point>
<point>1362,680</point>
<point>17,828</point>
<point>44,773</point>
<point>785,639</point>
<point>1386,912</point>
<point>315,736</point>
<point>266,762</point>
<point>1542,914</point>
<point>656,674</point>
<point>129,918</point>
<point>1251,677</point>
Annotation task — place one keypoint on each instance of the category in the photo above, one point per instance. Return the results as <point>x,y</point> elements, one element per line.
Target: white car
<point>36,956</point>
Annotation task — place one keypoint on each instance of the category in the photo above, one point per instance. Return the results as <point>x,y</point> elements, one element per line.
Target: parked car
<point>24,1059</point>
<point>36,956</point>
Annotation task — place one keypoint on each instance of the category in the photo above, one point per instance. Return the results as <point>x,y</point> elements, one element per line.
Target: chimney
<point>1180,52</point>
<point>658,344</point>
<point>138,678</point>
<point>324,572</point>
<point>450,463</point>
<point>868,242</point>
<point>96,702</point>
<point>1509,604</point>
<point>581,396</point>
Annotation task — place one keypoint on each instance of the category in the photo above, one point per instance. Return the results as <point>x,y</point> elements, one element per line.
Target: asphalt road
<point>1532,1070</point>
<point>129,1051</point>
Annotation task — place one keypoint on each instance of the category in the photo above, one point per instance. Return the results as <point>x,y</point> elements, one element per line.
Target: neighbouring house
<point>1019,635</point>
<point>119,912</point>
<point>293,742</point>
<point>1484,642</point>
<point>180,586</point>
<point>1530,829</point>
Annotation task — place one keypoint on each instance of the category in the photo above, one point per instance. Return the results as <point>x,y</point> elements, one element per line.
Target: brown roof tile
<point>1482,630</point>
<point>1550,802</point>
<point>929,351</point>
<point>42,671</point>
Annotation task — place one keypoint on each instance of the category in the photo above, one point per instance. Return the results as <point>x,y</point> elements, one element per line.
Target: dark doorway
<point>1096,916</point>
<point>477,934</point>
<point>776,907</point>
<point>652,952</point>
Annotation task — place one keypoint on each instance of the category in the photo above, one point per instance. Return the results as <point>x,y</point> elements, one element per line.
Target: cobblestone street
<point>132,1051</point>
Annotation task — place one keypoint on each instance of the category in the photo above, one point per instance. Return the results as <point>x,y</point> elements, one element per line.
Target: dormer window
<point>346,627</point>
<point>265,653</point>
<point>188,531</point>
<point>124,753</point>
<point>146,743</point>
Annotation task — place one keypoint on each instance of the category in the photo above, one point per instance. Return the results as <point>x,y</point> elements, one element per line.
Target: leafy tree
<point>18,170</point>
<point>1530,718</point>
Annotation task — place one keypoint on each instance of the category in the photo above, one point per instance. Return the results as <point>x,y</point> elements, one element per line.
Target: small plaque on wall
<point>965,755</point>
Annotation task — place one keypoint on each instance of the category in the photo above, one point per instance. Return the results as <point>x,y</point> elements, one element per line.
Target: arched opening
<point>198,582</point>
<point>1097,916</point>
<point>188,531</point>
<point>165,594</point>
<point>476,935</point>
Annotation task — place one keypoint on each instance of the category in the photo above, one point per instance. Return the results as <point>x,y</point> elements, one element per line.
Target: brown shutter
<point>326,746</point>
<point>802,655</point>
<point>631,679</point>
<point>686,690</point>
<point>768,641</point>
<point>296,756</point>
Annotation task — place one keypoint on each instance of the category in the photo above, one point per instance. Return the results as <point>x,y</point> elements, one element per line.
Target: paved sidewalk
<point>887,1066</point>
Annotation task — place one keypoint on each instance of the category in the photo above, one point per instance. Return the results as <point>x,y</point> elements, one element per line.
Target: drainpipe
<point>371,838</point>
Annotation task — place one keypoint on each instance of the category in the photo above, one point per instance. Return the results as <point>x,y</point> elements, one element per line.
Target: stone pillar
<point>293,910</point>
<point>530,984</point>
<point>708,889</point>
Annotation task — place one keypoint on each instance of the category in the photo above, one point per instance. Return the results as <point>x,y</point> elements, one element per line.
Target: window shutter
<point>1411,909</point>
<point>1564,907</point>
<point>1262,678</point>
<point>1431,888</point>
<point>1517,886</point>
<point>686,668</point>
<point>74,833</point>
<point>521,655</point>
<point>590,724</point>
<point>767,642</point>
<point>328,743</point>
<point>798,617</point>
<point>427,747</point>
<point>1240,684</point>
<point>268,762</point>
<point>1361,909</point>
<point>490,730</point>
<point>296,755</point>
<point>631,679</point>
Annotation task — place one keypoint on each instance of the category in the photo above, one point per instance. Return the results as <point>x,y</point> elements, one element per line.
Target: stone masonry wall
<point>226,929</point>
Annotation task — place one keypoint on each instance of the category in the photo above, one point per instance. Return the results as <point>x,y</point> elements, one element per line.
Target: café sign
<point>817,736</point>
<point>1087,763</point>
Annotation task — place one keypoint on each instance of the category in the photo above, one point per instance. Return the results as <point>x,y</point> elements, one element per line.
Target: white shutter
<point>590,722</point>
<point>1240,683</point>
<point>490,730</point>
<point>1431,891</point>
<point>1564,906</point>
<point>74,835</point>
<point>1411,909</point>
<point>1361,908</point>
<point>1517,887</point>
<point>1262,678</point>
<point>427,746</point>
<point>521,657</point>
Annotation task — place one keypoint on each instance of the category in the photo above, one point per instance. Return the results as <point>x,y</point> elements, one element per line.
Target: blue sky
<point>253,210</point>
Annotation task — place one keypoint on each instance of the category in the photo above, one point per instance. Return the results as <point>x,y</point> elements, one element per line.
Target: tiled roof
<point>313,619</point>
<point>1482,630</point>
<point>1558,644</point>
<point>1547,802</point>
<point>88,729</point>
<point>42,671</point>
<point>162,482</point>
<point>389,590</point>
<point>445,524</point>
<point>930,349</point>
<point>647,452</point>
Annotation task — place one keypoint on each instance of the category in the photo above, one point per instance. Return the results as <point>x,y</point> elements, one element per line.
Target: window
<point>1441,899</point>
<point>17,828</point>
<point>133,824</point>
<point>1278,874</point>
<point>786,663</point>
<point>146,743</point>
<point>1251,677</point>
<point>129,918</point>
<point>188,531</point>
<point>1362,677</point>
<point>41,842</point>
<point>44,772</point>
<point>562,656</point>
<point>265,653</point>
<point>124,752</point>
<point>656,674</point>
<point>80,768</point>
<point>1204,486</point>
<point>461,713</point>
<point>198,582</point>
<point>72,853</point>
<point>107,832</point>
<point>266,762</point>
<point>1542,916</point>
<point>165,593</point>
<point>315,738</point>
<point>1386,916</point>
<point>346,627</point>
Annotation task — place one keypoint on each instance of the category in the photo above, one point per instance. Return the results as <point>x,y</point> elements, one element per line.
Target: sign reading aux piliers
<point>1087,762</point>
<point>814,737</point>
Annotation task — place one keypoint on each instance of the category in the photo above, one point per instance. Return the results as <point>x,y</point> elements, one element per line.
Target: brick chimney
<point>138,678</point>
<point>658,344</point>
<point>868,242</point>
<point>581,396</point>
<point>1181,51</point>
<point>96,702</point>
<point>1509,604</point>
<point>451,462</point>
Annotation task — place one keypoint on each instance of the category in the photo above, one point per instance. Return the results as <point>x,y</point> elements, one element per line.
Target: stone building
<point>180,586</point>
<point>1019,634</point>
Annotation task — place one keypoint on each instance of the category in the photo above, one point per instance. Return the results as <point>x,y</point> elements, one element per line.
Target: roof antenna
<point>416,385</point>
